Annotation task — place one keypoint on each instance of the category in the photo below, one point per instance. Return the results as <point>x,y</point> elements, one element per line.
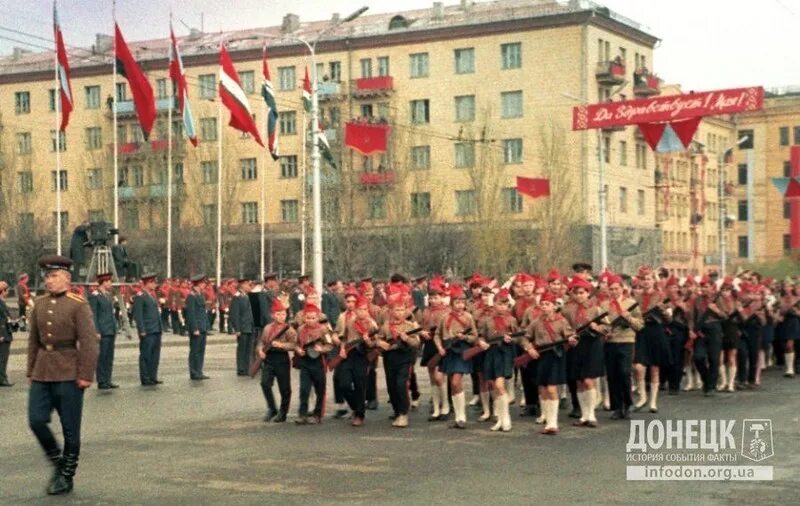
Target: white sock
<point>591,400</point>
<point>460,407</point>
<point>584,404</point>
<point>551,421</point>
<point>505,417</point>
<point>654,395</point>
<point>789,363</point>
<point>732,377</point>
<point>499,401</point>
<point>444,398</point>
<point>722,381</point>
<point>640,387</point>
<point>437,400</point>
<point>485,404</point>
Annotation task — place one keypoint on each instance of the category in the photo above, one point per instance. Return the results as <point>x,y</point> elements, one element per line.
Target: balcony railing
<point>156,145</point>
<point>377,178</point>
<point>646,84</point>
<point>156,191</point>
<point>127,107</point>
<point>328,90</point>
<point>610,72</point>
<point>330,133</point>
<point>373,86</point>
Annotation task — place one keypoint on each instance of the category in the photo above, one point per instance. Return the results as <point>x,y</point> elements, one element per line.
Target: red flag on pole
<point>234,98</point>
<point>533,187</point>
<point>142,92</point>
<point>64,85</point>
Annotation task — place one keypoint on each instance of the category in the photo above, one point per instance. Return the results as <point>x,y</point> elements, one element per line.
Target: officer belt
<point>59,346</point>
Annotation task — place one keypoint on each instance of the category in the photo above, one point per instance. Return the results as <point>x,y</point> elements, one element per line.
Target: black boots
<point>65,470</point>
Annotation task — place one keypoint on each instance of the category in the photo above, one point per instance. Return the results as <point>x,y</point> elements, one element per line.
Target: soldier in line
<point>62,356</point>
<point>197,324</point>
<point>241,321</point>
<point>102,305</point>
<point>148,325</point>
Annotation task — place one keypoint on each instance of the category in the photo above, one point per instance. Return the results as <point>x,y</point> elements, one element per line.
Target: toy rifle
<point>256,364</point>
<point>476,350</point>
<point>620,320</point>
<point>650,314</point>
<point>376,352</point>
<point>524,359</point>
<point>447,344</point>
<point>349,346</point>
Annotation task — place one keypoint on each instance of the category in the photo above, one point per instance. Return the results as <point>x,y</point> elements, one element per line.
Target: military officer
<point>148,324</point>
<point>241,321</point>
<point>102,306</point>
<point>197,323</point>
<point>62,356</point>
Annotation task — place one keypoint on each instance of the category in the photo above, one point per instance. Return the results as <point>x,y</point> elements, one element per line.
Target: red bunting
<point>792,190</point>
<point>533,187</point>
<point>366,138</point>
<point>652,133</point>
<point>684,129</point>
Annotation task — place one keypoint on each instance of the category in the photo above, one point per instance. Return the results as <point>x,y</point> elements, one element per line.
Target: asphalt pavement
<point>188,442</point>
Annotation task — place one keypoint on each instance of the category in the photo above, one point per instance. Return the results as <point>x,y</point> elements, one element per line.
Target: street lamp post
<point>316,196</point>
<point>723,237</point>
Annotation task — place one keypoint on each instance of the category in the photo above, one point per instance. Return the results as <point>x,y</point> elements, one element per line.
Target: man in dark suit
<point>333,300</point>
<point>241,321</point>
<point>122,262</point>
<point>197,324</point>
<point>298,297</point>
<point>77,247</point>
<point>148,324</point>
<point>6,336</point>
<point>105,323</point>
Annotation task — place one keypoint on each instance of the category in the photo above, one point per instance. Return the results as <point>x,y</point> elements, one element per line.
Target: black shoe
<point>240,373</point>
<point>6,384</point>
<point>303,420</point>
<point>562,403</point>
<point>60,484</point>
<point>158,382</point>
<point>196,378</point>
<point>104,387</point>
<point>457,425</point>
<point>149,383</point>
<point>204,377</point>
<point>280,418</point>
<point>340,413</point>
<point>672,392</point>
<point>617,415</point>
<point>575,413</point>
<point>708,393</point>
<point>393,416</point>
<point>270,415</point>
<point>372,405</point>
<point>626,412</point>
<point>437,418</point>
<point>113,385</point>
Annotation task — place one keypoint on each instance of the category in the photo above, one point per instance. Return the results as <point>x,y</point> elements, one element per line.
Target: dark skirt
<point>589,357</point>
<point>477,362</point>
<point>498,362</point>
<point>454,363</point>
<point>551,369</point>
<point>791,328</point>
<point>767,336</point>
<point>730,335</point>
<point>428,352</point>
<point>651,347</point>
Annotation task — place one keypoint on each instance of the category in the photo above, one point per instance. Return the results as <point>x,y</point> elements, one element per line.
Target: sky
<point>705,44</point>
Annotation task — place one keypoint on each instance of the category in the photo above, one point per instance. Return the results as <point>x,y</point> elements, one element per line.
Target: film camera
<point>100,232</point>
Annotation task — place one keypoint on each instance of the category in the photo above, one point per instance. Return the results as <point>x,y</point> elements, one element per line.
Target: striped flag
<point>325,147</point>
<point>234,98</point>
<point>307,92</point>
<point>268,92</point>
<point>178,77</point>
<point>64,85</point>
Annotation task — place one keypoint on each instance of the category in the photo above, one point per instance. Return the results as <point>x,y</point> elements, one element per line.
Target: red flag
<point>64,85</point>
<point>234,98</point>
<point>685,129</point>
<point>366,138</point>
<point>533,187</point>
<point>142,92</point>
<point>652,133</point>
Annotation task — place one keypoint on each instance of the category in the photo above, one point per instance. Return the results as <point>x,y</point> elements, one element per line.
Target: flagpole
<point>220,173</point>
<point>303,202</point>
<point>169,162</point>
<point>114,123</point>
<point>263,177</point>
<point>57,99</point>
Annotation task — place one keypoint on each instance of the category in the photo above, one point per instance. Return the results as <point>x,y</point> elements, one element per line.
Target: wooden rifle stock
<point>348,347</point>
<point>476,350</point>
<point>376,352</point>
<point>255,365</point>
<point>524,359</point>
<point>447,344</point>
<point>619,319</point>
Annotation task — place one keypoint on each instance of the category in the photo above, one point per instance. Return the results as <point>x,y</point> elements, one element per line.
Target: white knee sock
<point>500,406</point>
<point>591,401</point>
<point>732,377</point>
<point>654,395</point>
<point>437,400</point>
<point>584,404</point>
<point>460,407</point>
<point>485,405</point>
<point>789,363</point>
<point>445,400</point>
<point>551,421</point>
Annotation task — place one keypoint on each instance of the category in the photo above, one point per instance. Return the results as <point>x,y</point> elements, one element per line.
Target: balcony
<point>376,179</point>
<point>370,87</point>
<point>646,84</point>
<point>148,192</point>
<point>610,73</point>
<point>330,133</point>
<point>127,109</point>
<point>328,90</point>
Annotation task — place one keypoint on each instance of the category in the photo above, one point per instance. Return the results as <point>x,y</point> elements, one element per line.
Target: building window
<point>92,97</point>
<point>122,134</point>
<point>25,221</point>
<point>138,134</point>
<point>747,143</point>
<point>249,213</point>
<point>366,68</point>
<point>288,211</point>
<point>25,181</point>
<point>208,170</point>
<point>787,210</point>
<point>208,129</point>
<point>641,156</point>
<point>420,157</point>
<point>335,70</point>
<point>60,179</point>
<point>94,179</point>
<point>511,55</point>
<point>51,100</point>
<point>247,79</point>
<point>787,244</point>
<point>24,143</point>
<point>64,221</point>
<point>742,210</point>
<point>94,138</point>
<point>97,215</point>
<point>138,176</point>
<point>465,155</point>
<point>419,65</point>
<point>784,135</point>
<point>208,85</point>
<point>466,205</point>
<point>286,78</point>
<point>376,207</point>
<point>743,249</point>
<point>512,201</point>
<point>512,151</point>
<point>797,135</point>
<point>420,111</point>
<point>640,202</point>
<point>288,122</point>
<point>209,214</point>
<point>289,166</point>
<point>741,171</point>
<point>511,104</point>
<point>623,199</point>
<point>465,108</point>
<point>623,153</point>
<point>787,169</point>
<point>62,141</point>
<point>607,148</point>
<point>383,66</point>
<point>22,102</point>
<point>249,169</point>
<point>177,173</point>
<point>161,88</point>
<point>465,60</point>
<point>420,205</point>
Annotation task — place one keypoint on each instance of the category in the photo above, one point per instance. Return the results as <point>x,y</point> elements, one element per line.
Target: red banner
<point>794,205</point>
<point>667,108</point>
<point>366,138</point>
<point>533,187</point>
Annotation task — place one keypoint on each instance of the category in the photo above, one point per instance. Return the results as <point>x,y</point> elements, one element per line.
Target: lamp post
<point>316,195</point>
<point>723,241</point>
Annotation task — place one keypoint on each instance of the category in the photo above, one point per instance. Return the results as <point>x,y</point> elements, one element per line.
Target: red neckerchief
<point>704,303</point>
<point>615,306</point>
<point>500,323</point>
<point>361,326</point>
<point>348,316</point>
<point>393,326</point>
<point>547,324</point>
<point>522,305</point>
<point>433,313</point>
<point>307,329</point>
<point>580,312</point>
<point>453,316</point>
<point>646,297</point>
<point>276,329</point>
